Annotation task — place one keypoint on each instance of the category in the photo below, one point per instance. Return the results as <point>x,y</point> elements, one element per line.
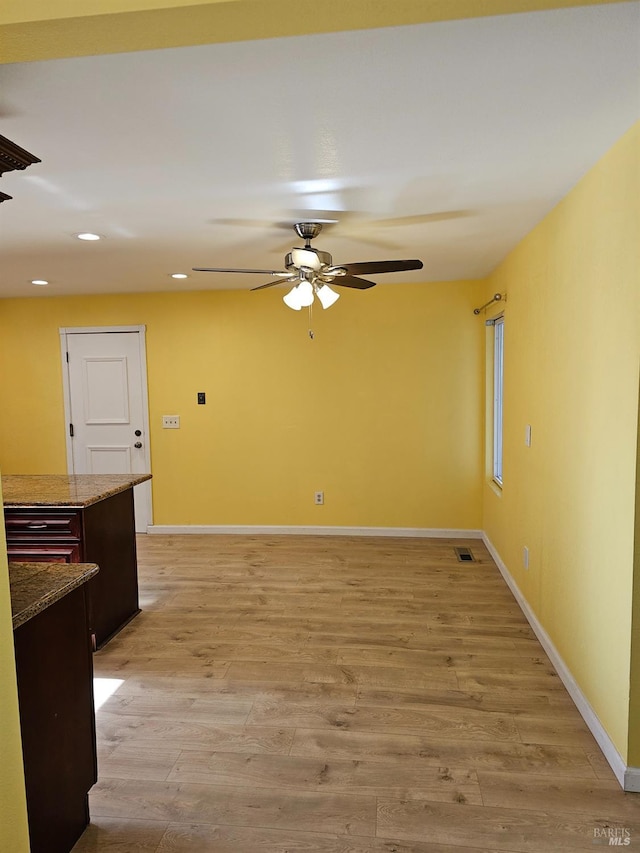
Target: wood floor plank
<point>261,651</point>
<point>514,631</point>
<point>492,755</point>
<point>337,635</point>
<point>576,795</point>
<point>433,721</point>
<point>368,778</point>
<point>116,835</point>
<point>134,762</point>
<point>115,730</point>
<point>280,671</point>
<point>224,690</point>
<point>205,838</point>
<point>457,660</point>
<point>572,731</point>
<point>403,677</point>
<point>171,662</point>
<point>508,679</point>
<point>175,707</point>
<point>525,831</point>
<point>513,703</point>
<point>221,651</point>
<point>335,674</point>
<point>600,765</point>
<point>183,627</point>
<point>186,802</point>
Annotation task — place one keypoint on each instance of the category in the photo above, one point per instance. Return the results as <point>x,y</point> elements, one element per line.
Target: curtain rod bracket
<point>497,297</point>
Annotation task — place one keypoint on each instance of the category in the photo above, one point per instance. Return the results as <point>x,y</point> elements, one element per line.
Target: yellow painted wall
<point>572,352</point>
<point>634,699</point>
<point>14,834</point>
<point>382,410</point>
<point>47,29</point>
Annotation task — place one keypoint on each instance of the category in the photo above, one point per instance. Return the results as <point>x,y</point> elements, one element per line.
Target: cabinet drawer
<point>46,524</point>
<point>32,553</point>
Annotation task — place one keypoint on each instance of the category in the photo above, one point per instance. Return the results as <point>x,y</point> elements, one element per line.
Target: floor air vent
<point>464,555</point>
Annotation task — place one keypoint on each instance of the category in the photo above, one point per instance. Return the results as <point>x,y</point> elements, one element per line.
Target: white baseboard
<point>632,779</point>
<point>252,530</point>
<point>625,775</point>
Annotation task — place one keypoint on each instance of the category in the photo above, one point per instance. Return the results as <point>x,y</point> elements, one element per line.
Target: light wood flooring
<point>297,694</point>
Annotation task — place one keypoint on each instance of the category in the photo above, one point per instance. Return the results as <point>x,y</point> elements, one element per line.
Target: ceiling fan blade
<point>292,280</point>
<point>379,242</point>
<point>224,269</point>
<point>352,281</point>
<point>248,223</point>
<point>372,267</point>
<point>422,218</point>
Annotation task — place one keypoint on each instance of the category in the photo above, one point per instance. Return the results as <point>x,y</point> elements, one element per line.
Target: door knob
<point>138,444</point>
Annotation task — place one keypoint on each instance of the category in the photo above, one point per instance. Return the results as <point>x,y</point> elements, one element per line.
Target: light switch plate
<point>171,422</point>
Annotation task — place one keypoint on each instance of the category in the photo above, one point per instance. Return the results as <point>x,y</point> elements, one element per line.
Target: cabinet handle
<point>34,525</point>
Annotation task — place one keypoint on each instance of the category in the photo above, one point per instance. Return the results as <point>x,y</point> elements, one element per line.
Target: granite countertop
<point>36,586</point>
<point>77,490</point>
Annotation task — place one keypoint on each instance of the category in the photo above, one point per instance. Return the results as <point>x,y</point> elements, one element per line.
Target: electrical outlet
<point>319,498</point>
<point>171,422</point>
<point>525,557</point>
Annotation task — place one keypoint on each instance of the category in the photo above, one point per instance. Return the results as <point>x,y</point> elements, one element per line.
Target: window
<point>498,384</point>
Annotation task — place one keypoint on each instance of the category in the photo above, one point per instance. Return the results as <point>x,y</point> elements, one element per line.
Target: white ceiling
<point>488,122</point>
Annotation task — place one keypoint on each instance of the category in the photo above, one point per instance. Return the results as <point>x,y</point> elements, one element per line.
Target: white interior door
<point>107,408</point>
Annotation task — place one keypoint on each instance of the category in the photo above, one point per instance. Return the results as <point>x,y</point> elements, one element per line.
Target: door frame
<point>142,346</point>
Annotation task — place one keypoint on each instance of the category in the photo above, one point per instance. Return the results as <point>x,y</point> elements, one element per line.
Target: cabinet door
<point>55,694</point>
<point>29,552</point>
<point>25,523</point>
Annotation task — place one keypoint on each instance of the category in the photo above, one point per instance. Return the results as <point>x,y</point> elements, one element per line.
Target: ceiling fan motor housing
<point>313,258</point>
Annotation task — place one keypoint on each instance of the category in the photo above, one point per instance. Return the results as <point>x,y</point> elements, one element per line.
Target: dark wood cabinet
<point>102,533</point>
<point>54,670</point>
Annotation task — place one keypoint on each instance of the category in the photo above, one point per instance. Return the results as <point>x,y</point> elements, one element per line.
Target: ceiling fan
<point>312,271</point>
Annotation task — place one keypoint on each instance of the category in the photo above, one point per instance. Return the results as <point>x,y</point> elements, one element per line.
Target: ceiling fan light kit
<point>302,295</point>
<point>327,296</point>
<point>312,271</point>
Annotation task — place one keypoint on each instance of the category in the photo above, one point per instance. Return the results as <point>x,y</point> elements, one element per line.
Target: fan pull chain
<point>310,321</point>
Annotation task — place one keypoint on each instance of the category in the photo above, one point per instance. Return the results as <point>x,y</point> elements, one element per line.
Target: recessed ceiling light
<point>87,235</point>
<point>179,275</point>
<point>40,281</point>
